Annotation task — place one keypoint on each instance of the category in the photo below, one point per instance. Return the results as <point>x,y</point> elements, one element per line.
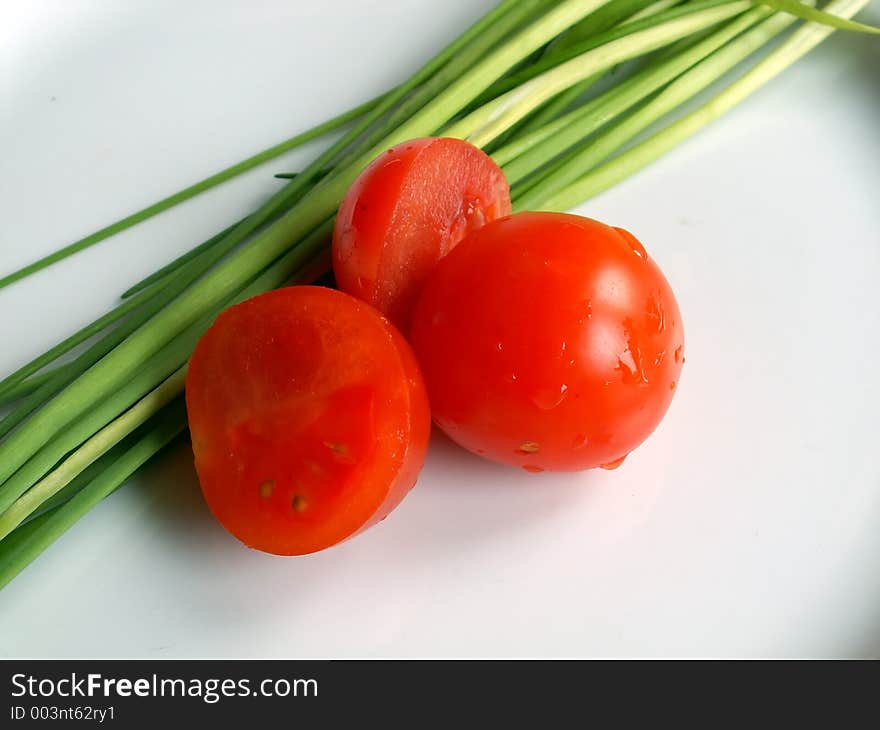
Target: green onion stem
<point>191,191</point>
<point>654,8</point>
<point>557,57</point>
<point>174,265</point>
<point>20,549</point>
<point>153,371</point>
<point>484,124</point>
<point>606,107</point>
<point>601,30</point>
<point>93,449</point>
<point>87,476</point>
<point>523,11</point>
<point>807,11</point>
<point>27,386</point>
<point>801,42</point>
<point>557,106</point>
<point>674,95</point>
<point>48,357</point>
<point>595,24</point>
<point>177,283</point>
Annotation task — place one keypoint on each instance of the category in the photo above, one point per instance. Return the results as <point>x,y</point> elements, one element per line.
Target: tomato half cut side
<point>407,210</point>
<point>309,418</point>
<point>549,342</point>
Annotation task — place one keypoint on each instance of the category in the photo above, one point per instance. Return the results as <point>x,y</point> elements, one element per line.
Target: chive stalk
<point>172,266</point>
<point>20,549</point>
<point>484,124</point>
<point>190,192</point>
<point>530,152</point>
<point>670,98</point>
<point>801,42</point>
<point>92,450</point>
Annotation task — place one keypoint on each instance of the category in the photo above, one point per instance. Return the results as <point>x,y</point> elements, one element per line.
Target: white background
<point>749,524</point>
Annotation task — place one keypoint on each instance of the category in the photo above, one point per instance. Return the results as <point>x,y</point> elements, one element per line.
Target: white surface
<point>749,524</point>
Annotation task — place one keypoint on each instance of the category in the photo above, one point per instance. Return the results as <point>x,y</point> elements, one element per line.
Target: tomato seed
<point>299,503</point>
<point>266,489</point>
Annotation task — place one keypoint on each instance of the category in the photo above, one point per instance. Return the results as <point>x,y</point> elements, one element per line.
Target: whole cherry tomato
<point>549,341</point>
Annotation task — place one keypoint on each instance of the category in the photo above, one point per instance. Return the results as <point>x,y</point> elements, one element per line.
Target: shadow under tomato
<point>176,495</point>
<point>467,500</point>
<point>462,507</point>
<point>462,499</point>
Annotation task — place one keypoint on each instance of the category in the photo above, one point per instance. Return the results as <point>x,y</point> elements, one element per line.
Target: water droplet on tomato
<point>614,464</point>
<point>579,441</point>
<point>631,369</point>
<point>655,315</point>
<point>630,361</point>
<point>547,398</point>
<point>637,248</point>
<point>679,355</point>
<point>672,385</point>
<point>533,469</point>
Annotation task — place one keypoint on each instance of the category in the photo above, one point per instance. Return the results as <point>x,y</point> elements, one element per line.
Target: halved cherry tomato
<point>407,210</point>
<point>309,418</point>
<point>549,341</point>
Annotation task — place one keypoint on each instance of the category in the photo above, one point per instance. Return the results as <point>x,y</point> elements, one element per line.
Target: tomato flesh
<point>407,210</point>
<point>549,342</point>
<point>309,418</point>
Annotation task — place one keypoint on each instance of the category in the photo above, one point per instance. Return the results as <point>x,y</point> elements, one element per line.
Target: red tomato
<point>549,341</point>
<point>309,418</point>
<point>408,209</point>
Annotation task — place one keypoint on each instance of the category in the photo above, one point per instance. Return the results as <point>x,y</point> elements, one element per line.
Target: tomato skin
<point>549,342</point>
<point>309,418</point>
<point>407,210</point>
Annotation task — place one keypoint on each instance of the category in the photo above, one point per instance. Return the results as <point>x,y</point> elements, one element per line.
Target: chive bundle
<point>519,83</point>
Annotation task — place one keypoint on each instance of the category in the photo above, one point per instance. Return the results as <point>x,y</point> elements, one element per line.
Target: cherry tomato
<point>309,418</point>
<point>549,341</point>
<point>407,210</point>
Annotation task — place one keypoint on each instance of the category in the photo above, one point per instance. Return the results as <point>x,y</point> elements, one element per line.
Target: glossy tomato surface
<point>549,342</point>
<point>407,210</point>
<point>309,418</point>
